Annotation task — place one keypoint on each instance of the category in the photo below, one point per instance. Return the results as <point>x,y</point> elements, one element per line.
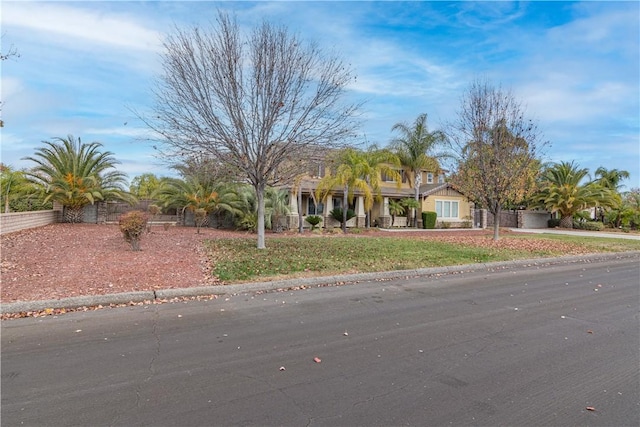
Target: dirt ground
<point>66,260</point>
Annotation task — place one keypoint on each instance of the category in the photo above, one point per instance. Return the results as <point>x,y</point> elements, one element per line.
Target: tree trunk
<point>135,245</point>
<point>73,215</point>
<point>345,208</point>
<point>300,224</point>
<point>496,224</point>
<point>415,210</point>
<point>566,221</point>
<point>260,197</point>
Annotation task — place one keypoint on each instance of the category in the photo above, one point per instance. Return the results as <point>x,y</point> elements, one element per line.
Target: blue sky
<point>84,66</point>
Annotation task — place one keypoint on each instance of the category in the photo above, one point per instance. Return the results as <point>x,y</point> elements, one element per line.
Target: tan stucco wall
<point>464,208</point>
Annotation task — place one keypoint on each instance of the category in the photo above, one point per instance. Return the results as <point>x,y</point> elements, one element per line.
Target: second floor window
<point>429,178</point>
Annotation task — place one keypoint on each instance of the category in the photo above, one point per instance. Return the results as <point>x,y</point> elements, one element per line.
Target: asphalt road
<point>532,346</point>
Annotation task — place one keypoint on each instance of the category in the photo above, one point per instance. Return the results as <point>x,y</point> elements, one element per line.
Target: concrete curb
<point>125,298</point>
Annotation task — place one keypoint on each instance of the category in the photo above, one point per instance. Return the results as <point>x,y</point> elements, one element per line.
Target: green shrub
<point>429,219</point>
<point>553,223</point>
<point>337,214</point>
<point>132,225</point>
<point>588,225</point>
<point>313,220</point>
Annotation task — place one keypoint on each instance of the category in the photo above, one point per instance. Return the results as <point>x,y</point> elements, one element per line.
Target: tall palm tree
<point>376,163</point>
<point>563,189</point>
<point>349,175</point>
<point>193,195</point>
<point>413,146</point>
<point>76,174</point>
<point>611,178</point>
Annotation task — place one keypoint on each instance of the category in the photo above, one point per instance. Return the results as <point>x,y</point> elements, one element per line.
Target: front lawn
<point>238,260</point>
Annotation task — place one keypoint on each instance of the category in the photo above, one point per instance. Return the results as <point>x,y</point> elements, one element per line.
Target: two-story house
<point>452,207</point>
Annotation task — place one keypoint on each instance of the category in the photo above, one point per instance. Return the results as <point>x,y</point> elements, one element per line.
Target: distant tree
<point>144,186</point>
<point>611,178</point>
<point>258,104</point>
<point>414,148</point>
<point>628,214</point>
<point>276,207</point>
<point>495,148</point>
<point>11,53</point>
<point>191,194</point>
<point>14,185</point>
<point>77,174</point>
<point>565,189</point>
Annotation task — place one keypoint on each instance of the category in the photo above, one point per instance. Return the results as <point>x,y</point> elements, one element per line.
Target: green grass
<point>237,260</point>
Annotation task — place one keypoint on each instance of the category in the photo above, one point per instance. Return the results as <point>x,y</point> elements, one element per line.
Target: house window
<point>313,209</point>
<point>429,178</point>
<point>441,179</point>
<point>386,178</point>
<point>316,169</point>
<point>447,209</point>
<point>337,203</point>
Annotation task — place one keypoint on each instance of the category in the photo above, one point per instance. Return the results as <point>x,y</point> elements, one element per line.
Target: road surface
<point>528,346</point>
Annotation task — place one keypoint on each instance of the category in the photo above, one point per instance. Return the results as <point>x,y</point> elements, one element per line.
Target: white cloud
<point>81,25</point>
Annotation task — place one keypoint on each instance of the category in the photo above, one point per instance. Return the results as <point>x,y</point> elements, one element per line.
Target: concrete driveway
<point>568,232</point>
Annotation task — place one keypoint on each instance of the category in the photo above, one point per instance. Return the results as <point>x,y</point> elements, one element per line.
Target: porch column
<point>384,220</point>
<point>292,217</point>
<point>360,214</point>
<point>328,207</point>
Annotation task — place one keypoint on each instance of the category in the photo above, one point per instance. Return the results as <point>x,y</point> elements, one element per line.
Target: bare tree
<point>496,148</point>
<point>11,53</point>
<point>260,104</point>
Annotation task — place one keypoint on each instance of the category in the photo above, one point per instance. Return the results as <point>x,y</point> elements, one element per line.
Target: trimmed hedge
<point>588,225</point>
<point>429,219</point>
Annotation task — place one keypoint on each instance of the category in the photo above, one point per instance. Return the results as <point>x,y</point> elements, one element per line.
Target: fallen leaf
<point>282,368</point>
<point>590,408</point>
<point>345,333</point>
<point>317,359</point>
<point>589,331</point>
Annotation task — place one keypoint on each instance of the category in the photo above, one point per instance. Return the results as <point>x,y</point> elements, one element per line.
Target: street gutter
<point>291,284</point>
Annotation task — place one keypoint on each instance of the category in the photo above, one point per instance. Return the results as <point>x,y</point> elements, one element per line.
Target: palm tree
<point>197,197</point>
<point>563,190</point>
<point>410,205</point>
<point>413,147</point>
<point>76,174</point>
<point>349,175</point>
<point>375,163</point>
<point>611,178</point>
<point>276,206</point>
<point>13,185</point>
<point>395,208</point>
